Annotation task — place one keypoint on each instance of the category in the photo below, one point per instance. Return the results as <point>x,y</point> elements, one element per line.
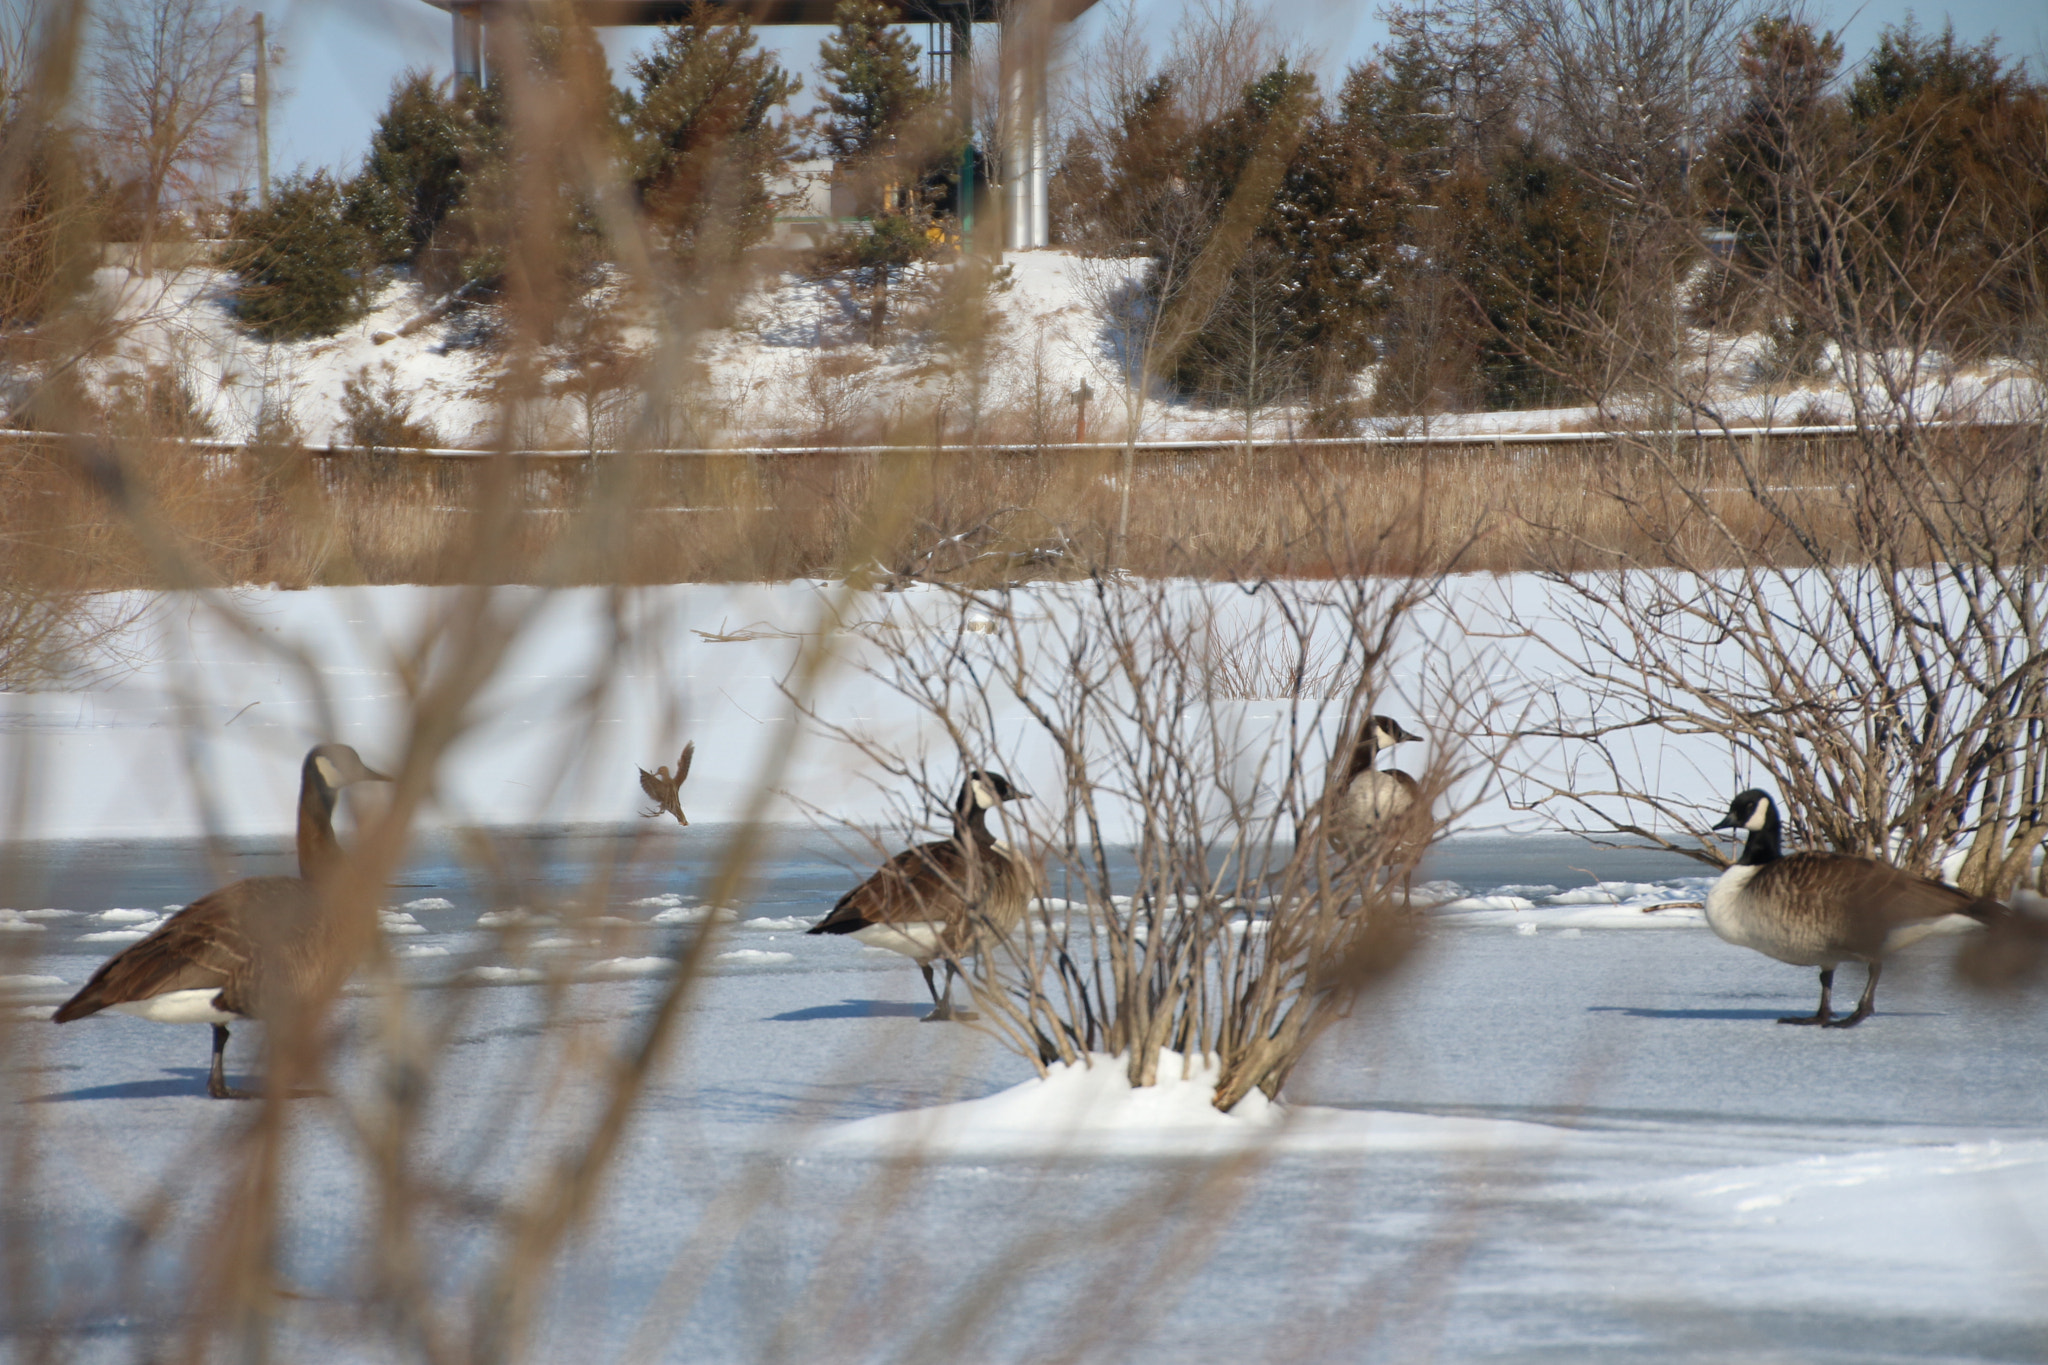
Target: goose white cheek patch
<point>329,774</point>
<point>1759,817</point>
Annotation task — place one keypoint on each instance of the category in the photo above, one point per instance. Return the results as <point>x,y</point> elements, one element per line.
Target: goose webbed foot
<point>216,1077</point>
<point>1824,1016</point>
<point>1866,1006</point>
<point>943,1009</point>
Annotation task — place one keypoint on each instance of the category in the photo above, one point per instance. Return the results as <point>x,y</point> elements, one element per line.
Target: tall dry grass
<point>289,516</point>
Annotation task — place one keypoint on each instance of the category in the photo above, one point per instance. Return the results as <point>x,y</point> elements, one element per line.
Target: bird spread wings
<point>665,790</point>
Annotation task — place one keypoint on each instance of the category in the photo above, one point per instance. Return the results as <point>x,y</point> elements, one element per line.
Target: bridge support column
<point>1027,49</point>
<point>469,42</point>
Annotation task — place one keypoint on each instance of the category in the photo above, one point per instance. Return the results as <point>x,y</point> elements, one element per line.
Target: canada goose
<point>666,791</point>
<point>937,900</point>
<point>1368,820</point>
<point>225,955</point>
<point>1821,909</point>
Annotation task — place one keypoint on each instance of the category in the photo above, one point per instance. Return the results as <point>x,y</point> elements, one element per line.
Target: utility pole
<point>262,113</point>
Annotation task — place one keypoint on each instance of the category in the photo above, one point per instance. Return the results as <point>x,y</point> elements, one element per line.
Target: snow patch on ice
<point>16,922</point>
<point>21,985</point>
<point>1092,1109</point>
<point>518,915</point>
<point>503,976</point>
<point>1604,905</point>
<point>625,967</point>
<point>755,957</point>
<point>697,914</point>
<point>428,903</point>
<point>399,922</point>
<point>781,925</point>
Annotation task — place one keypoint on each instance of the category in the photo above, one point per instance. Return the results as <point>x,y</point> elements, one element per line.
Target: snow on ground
<point>183,320</point>
<point>796,360</point>
<point>236,687</point>
<point>1092,1109</point>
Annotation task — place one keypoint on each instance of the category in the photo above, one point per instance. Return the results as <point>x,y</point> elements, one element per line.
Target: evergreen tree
<point>1529,250</point>
<point>1954,141</point>
<point>1774,152</point>
<point>1337,221</point>
<point>46,238</point>
<point>873,93</point>
<point>708,132</point>
<point>300,262</point>
<point>416,171</point>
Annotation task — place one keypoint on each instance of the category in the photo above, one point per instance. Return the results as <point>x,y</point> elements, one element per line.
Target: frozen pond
<point>1703,1185</point>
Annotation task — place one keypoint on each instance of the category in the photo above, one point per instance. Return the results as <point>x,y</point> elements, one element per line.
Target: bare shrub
<point>1235,934</point>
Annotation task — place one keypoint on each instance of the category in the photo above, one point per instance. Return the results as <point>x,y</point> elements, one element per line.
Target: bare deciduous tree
<point>166,82</point>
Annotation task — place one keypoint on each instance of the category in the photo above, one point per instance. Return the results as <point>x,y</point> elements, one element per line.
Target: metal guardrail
<point>1483,439</point>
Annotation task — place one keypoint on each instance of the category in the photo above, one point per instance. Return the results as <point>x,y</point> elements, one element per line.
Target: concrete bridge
<point>1027,29</point>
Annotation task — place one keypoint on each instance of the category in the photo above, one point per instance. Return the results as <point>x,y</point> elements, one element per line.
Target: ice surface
<point>1566,1142</point>
<point>1594,1148</point>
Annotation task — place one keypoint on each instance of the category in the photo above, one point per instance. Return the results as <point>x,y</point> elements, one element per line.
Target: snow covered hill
<point>795,365</point>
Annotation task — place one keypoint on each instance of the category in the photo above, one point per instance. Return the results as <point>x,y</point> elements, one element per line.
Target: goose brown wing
<point>1873,898</point>
<point>204,946</point>
<point>918,885</point>
<point>657,790</point>
<point>683,763</point>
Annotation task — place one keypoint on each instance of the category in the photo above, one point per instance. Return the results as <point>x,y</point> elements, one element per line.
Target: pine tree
<point>415,174</point>
<point>299,262</point>
<point>1954,142</point>
<point>873,94</point>
<point>708,132</point>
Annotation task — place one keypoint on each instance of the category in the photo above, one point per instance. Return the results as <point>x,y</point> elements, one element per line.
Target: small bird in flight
<point>664,790</point>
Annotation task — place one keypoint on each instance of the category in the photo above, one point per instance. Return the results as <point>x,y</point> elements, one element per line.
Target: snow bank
<point>1093,1110</point>
<point>1604,905</point>
<point>755,957</point>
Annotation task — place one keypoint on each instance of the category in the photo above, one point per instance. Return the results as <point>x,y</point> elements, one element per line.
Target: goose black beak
<point>372,775</point>
<point>1727,821</point>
